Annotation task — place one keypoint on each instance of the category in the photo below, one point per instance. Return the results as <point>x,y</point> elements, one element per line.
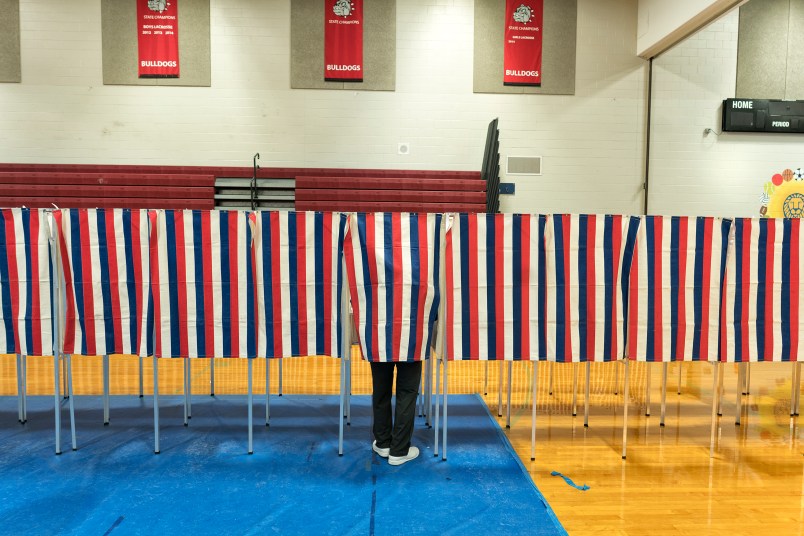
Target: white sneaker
<point>413,453</point>
<point>383,453</point>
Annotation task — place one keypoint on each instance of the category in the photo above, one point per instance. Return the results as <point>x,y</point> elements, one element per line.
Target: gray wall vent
<point>523,165</point>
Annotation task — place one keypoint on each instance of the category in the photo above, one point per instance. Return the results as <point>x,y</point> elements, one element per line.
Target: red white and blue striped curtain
<point>393,264</point>
<point>104,259</point>
<point>588,259</point>
<point>203,285</point>
<point>299,269</point>
<point>764,292</point>
<point>494,299</point>
<point>26,316</point>
<point>676,287</point>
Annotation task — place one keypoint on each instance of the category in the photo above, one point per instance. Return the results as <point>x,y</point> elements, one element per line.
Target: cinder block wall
<point>592,142</point>
<point>694,173</point>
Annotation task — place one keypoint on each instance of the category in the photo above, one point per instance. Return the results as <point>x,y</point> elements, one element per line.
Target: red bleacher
<point>193,187</point>
<point>396,193</point>
<point>72,189</point>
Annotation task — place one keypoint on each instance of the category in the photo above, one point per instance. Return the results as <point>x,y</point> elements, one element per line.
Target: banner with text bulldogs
<point>523,42</point>
<point>158,38</point>
<point>343,40</point>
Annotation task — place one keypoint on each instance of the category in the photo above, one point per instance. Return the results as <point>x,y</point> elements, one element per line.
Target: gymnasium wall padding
<point>307,46</point>
<point>558,48</point>
<point>120,49</point>
<point>10,65</point>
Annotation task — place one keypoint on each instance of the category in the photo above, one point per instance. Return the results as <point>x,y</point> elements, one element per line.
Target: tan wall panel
<point>307,46</point>
<point>794,86</point>
<point>119,29</point>
<point>10,70</point>
<point>558,48</point>
<point>762,49</point>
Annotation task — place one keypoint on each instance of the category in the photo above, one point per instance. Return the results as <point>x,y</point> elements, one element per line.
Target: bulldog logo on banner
<point>343,41</point>
<point>342,8</point>
<point>157,5</point>
<point>158,38</point>
<point>522,49</point>
<point>523,14</point>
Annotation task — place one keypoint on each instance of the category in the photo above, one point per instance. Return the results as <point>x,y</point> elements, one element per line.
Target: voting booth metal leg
<point>55,288</point>
<point>349,392</point>
<point>794,394</point>
<point>429,404</point>
<point>250,406</point>
<point>420,397</point>
<point>500,390</point>
<point>574,389</point>
<point>156,405</point>
<point>715,402</point>
<point>69,360</point>
<point>798,387</point>
<point>586,396</point>
<point>341,397</point>
<point>345,351</point>
<point>420,394</point>
<point>446,396</point>
<point>794,389</point>
<point>57,402</point>
<point>533,411</point>
<point>57,350</point>
<point>508,406</point>
<point>63,375</point>
<point>142,388</point>
<point>747,379</point>
<point>738,405</point>
<point>211,376</point>
<point>186,392</point>
<point>344,387</point>
<point>279,390</point>
<point>439,360</point>
<point>428,392</point>
<point>625,407</point>
<point>24,387</point>
<point>19,390</point>
<point>189,388</point>
<point>440,357</point>
<point>664,394</point>
<point>720,393</point>
<point>267,392</point>
<point>106,390</point>
<point>648,370</point>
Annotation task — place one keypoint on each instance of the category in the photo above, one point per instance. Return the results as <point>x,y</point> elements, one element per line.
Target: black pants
<point>397,435</point>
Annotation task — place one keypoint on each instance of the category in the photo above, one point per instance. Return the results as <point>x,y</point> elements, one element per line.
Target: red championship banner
<point>343,40</point>
<point>523,42</point>
<point>158,38</point>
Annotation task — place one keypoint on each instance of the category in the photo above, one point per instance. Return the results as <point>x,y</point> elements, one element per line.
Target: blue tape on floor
<point>204,482</point>
<point>569,481</point>
<point>114,525</point>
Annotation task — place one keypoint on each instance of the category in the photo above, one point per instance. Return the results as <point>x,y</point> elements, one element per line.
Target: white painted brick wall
<point>592,143</point>
<point>697,174</point>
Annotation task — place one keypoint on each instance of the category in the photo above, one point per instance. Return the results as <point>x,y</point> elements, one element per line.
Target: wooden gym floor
<point>668,484</point>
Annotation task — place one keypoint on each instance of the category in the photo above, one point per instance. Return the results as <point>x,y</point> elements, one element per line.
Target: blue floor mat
<point>204,482</point>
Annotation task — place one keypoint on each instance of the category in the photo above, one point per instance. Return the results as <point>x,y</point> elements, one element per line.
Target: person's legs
<point>382,378</point>
<point>408,376</point>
